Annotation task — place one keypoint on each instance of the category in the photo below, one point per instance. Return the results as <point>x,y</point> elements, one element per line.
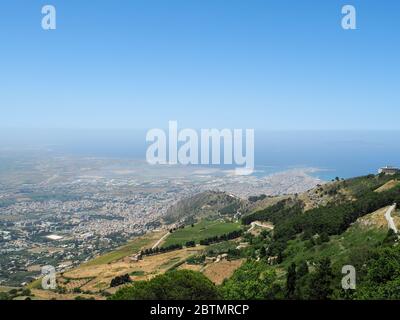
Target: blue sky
<point>259,64</point>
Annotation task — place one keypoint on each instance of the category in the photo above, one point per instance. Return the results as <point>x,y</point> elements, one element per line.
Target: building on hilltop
<point>389,170</point>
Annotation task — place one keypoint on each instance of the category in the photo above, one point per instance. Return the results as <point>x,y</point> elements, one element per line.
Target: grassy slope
<point>357,236</point>
<point>388,185</point>
<point>202,230</point>
<point>338,248</point>
<point>131,248</point>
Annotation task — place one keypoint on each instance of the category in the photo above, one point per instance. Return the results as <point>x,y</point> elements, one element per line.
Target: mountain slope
<point>332,225</point>
<point>205,204</point>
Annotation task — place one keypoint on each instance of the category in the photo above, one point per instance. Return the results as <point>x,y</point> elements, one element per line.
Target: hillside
<point>200,231</point>
<point>314,235</point>
<point>205,204</point>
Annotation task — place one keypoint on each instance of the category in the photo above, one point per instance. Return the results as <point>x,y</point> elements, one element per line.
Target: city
<point>64,211</point>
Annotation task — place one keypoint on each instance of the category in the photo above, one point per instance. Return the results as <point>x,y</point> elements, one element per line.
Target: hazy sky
<point>207,63</point>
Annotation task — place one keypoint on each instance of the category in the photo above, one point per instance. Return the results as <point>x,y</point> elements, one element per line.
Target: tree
<point>382,280</point>
<point>291,281</point>
<point>321,281</point>
<point>173,285</point>
<point>302,269</point>
<point>119,280</point>
<point>4,296</point>
<point>26,292</point>
<point>390,238</point>
<point>252,281</point>
<point>302,281</point>
<point>190,244</point>
<point>264,233</point>
<point>324,237</point>
<point>13,292</point>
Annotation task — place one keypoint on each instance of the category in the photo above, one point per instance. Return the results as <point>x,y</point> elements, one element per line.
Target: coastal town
<point>64,218</point>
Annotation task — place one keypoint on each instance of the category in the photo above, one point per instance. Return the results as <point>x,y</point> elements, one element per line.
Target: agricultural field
<point>51,295</point>
<point>144,269</point>
<point>217,272</point>
<point>202,230</point>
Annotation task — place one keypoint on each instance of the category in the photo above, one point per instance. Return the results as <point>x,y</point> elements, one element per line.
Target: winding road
<point>389,218</point>
<point>160,240</point>
<point>258,224</point>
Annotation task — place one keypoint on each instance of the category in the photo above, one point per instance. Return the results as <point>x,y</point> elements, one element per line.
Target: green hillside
<point>208,204</point>
<point>341,223</point>
<point>200,231</point>
<point>302,258</point>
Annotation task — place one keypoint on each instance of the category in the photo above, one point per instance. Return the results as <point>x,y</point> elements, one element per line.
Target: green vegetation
<point>278,212</point>
<point>15,293</point>
<point>332,219</point>
<point>257,198</point>
<point>173,285</point>
<point>253,281</point>
<point>83,298</point>
<point>311,248</point>
<point>224,237</point>
<point>120,280</point>
<point>230,209</point>
<point>301,258</point>
<point>339,248</point>
<point>360,185</point>
<point>219,248</point>
<point>208,204</point>
<point>200,231</point>
<point>137,273</point>
<point>157,250</point>
<point>380,278</point>
<point>196,259</point>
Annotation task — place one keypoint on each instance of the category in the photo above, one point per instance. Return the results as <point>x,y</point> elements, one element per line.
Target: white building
<point>389,170</point>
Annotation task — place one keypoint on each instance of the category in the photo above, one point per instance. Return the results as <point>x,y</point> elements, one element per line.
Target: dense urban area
<point>64,211</point>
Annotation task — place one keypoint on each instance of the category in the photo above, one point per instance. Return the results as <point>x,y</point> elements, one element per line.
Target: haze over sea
<point>335,153</point>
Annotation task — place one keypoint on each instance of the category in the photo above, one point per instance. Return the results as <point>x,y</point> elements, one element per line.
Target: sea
<point>342,154</point>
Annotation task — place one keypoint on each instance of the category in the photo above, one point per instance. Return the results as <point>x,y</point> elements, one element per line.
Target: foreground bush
<point>174,285</point>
